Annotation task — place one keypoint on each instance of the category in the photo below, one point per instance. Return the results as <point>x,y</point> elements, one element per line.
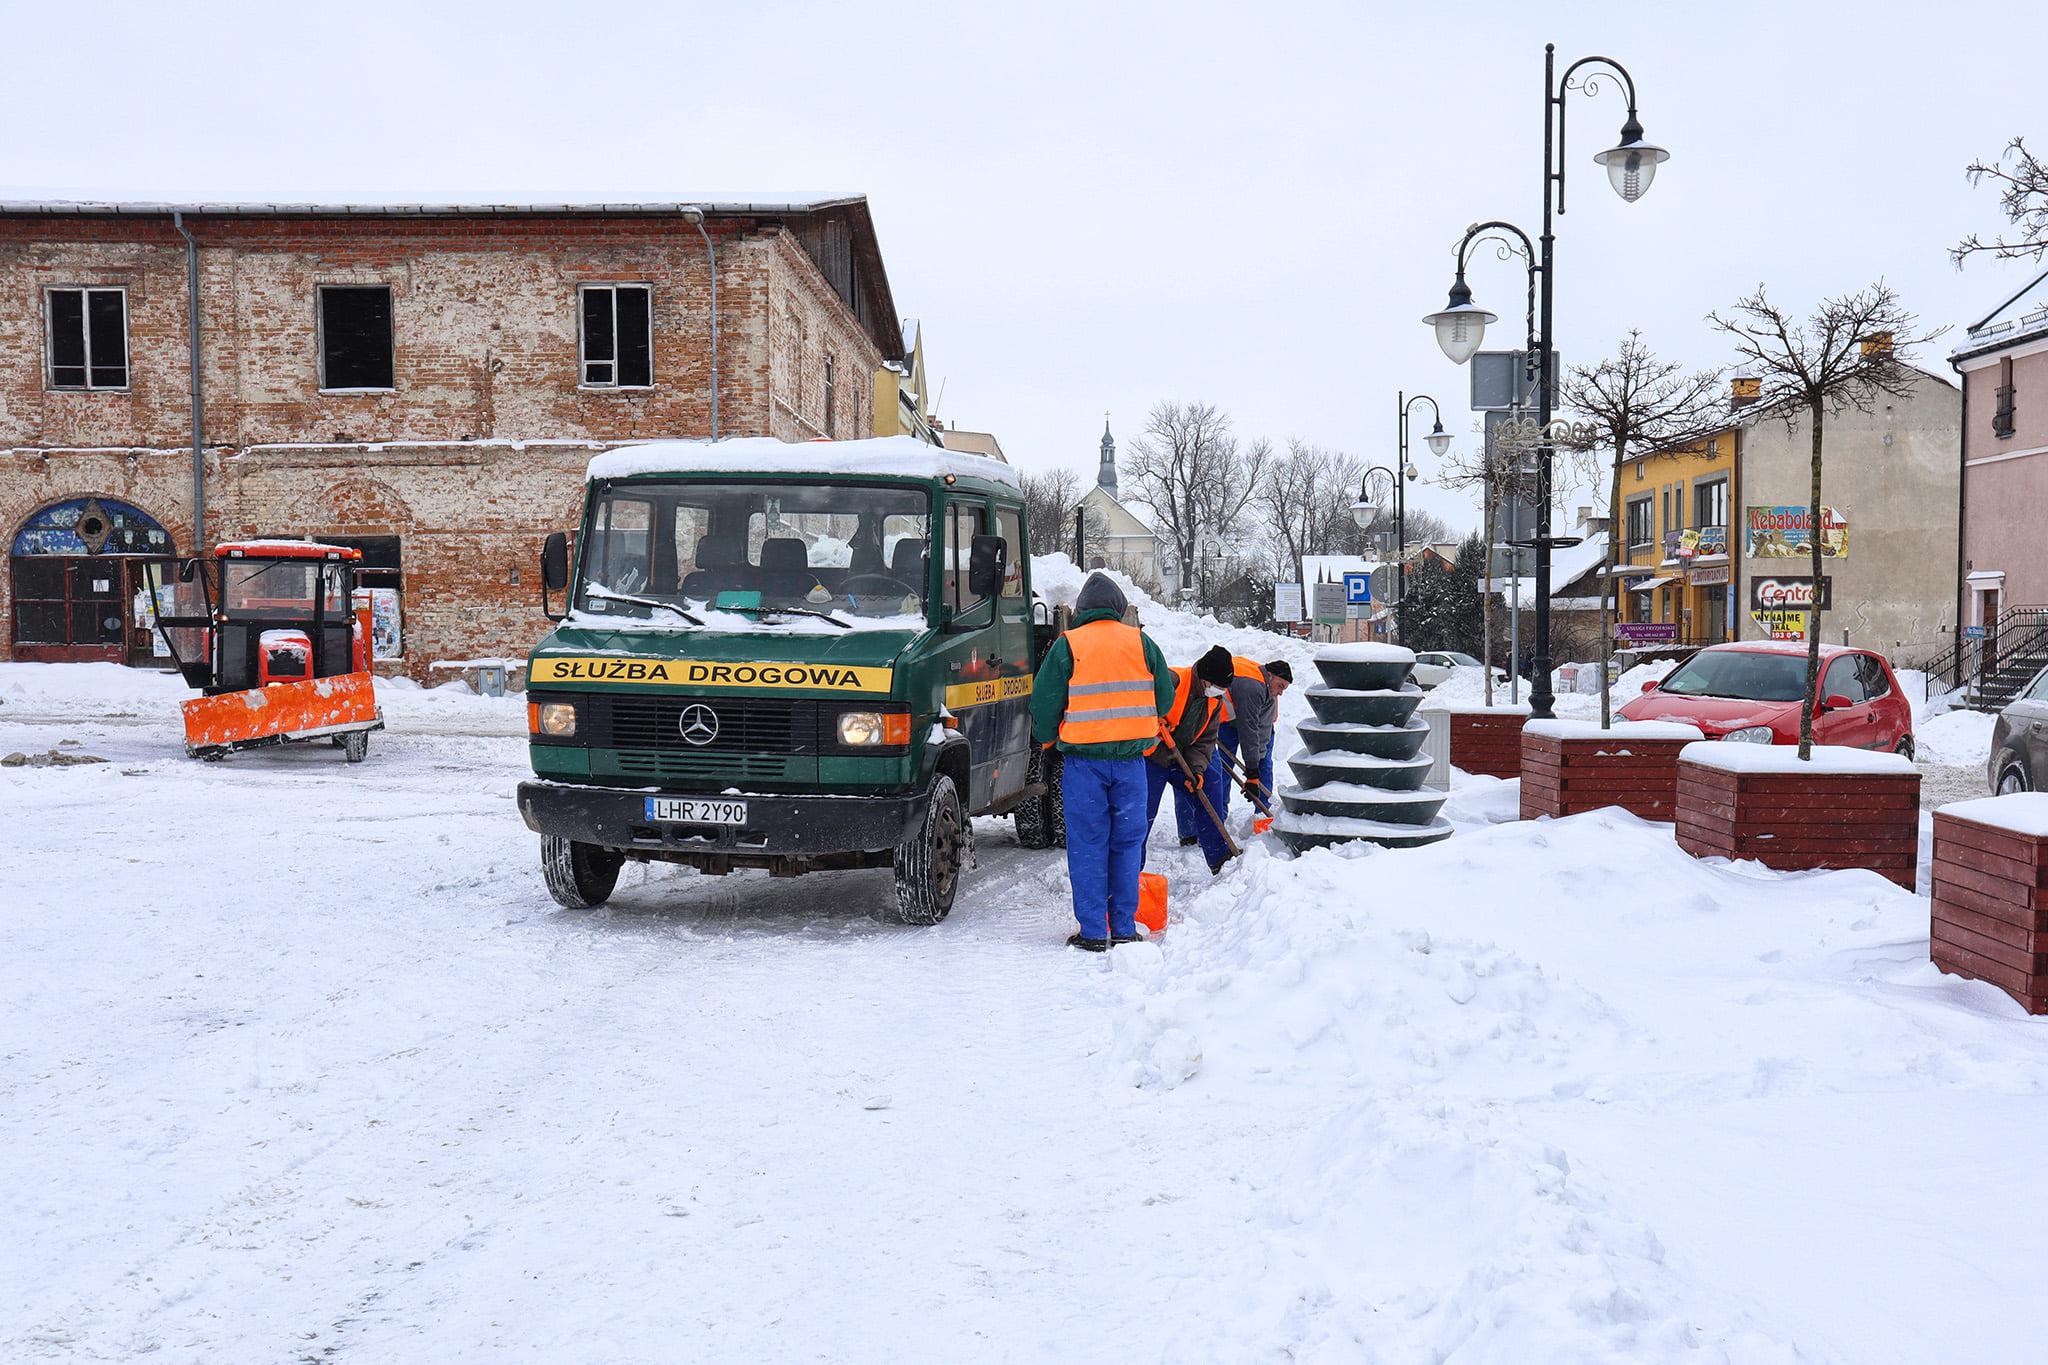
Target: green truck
<point>787,657</point>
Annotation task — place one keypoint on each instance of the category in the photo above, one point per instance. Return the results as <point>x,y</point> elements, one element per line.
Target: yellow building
<point>902,402</point>
<point>1675,571</point>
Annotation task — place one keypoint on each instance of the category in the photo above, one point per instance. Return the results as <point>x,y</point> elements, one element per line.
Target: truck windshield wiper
<point>607,595</point>
<point>789,611</point>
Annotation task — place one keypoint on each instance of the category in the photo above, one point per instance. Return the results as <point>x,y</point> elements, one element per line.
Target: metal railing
<point>1961,662</point>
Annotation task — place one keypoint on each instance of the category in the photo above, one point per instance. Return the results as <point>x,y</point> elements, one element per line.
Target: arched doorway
<point>80,574</point>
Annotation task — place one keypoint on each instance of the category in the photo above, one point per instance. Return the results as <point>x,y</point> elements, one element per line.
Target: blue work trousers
<point>1226,736</point>
<point>1107,820</point>
<point>1204,829</point>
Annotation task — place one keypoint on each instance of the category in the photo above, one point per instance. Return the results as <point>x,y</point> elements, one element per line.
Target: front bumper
<point>801,825</point>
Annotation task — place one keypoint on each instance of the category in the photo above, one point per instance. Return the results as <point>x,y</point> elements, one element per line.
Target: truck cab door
<point>971,655</point>
<point>1014,658</point>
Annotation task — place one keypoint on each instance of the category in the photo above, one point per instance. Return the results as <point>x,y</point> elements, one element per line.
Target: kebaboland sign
<point>1787,533</point>
<point>1790,592</point>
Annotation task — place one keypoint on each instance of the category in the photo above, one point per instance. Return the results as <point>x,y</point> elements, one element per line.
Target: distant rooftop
<point>57,205</point>
<point>2020,318</point>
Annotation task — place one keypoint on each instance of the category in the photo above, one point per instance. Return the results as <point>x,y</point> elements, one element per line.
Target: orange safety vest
<point>1109,694</point>
<point>1184,686</point>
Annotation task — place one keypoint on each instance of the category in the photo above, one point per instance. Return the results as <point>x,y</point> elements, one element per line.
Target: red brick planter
<point>1991,894</point>
<point>1847,808</point>
<point>1488,741</point>
<point>1571,766</point>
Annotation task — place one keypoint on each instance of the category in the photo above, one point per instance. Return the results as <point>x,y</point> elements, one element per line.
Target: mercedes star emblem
<point>698,723</point>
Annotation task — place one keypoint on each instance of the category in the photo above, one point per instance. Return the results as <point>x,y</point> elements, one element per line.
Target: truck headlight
<point>558,719</point>
<point>1753,734</point>
<point>873,729</point>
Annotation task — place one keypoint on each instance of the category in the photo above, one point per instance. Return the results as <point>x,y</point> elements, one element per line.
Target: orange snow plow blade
<point>281,711</point>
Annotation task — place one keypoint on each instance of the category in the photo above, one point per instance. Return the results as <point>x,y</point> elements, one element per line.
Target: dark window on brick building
<point>2001,416</point>
<point>618,336</point>
<point>355,336</point>
<point>831,396</point>
<point>88,332</point>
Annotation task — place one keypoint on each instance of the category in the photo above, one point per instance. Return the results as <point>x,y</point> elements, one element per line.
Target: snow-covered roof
<point>1567,566</point>
<point>897,456</point>
<point>2019,318</point>
<point>710,203</point>
<point>1829,759</point>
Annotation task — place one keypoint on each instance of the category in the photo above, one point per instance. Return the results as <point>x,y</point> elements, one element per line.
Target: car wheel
<point>2013,777</point>
<point>579,876</point>
<point>928,862</point>
<point>1904,746</point>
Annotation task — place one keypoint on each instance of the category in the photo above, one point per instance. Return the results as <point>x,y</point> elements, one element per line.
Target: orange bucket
<point>1152,901</point>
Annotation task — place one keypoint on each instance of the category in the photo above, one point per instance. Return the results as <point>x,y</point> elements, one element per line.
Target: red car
<point>1752,692</point>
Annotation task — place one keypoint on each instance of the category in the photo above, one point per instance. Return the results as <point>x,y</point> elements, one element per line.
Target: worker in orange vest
<point>1191,729</point>
<point>1247,733</point>
<point>1098,695</point>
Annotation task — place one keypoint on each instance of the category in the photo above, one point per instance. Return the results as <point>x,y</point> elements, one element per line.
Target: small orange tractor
<point>273,640</point>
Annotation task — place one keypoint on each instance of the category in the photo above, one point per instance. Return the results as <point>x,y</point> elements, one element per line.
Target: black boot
<point>1135,936</point>
<point>1189,841</point>
<point>1088,945</point>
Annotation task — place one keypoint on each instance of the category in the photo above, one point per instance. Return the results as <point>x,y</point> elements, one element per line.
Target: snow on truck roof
<point>898,456</point>
<point>284,549</point>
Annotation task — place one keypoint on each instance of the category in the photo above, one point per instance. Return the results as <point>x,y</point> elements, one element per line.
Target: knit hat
<point>1281,669</point>
<point>1215,667</point>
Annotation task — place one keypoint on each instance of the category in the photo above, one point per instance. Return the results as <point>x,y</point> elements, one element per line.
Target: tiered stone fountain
<point>1361,767</point>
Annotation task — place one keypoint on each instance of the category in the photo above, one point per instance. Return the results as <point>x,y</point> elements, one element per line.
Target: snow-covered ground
<point>299,1062</point>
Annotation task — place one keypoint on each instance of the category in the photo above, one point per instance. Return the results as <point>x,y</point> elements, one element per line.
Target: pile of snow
<point>2023,813</point>
<point>1587,1098</point>
<point>1827,760</point>
<point>1957,739</point>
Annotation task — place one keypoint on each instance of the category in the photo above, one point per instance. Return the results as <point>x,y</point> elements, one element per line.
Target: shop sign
<point>1707,578</point>
<point>1648,632</point>
<point>1781,625</point>
<point>1790,592</point>
<point>1786,532</point>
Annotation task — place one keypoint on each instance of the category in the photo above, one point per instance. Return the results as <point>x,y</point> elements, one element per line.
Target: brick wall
<point>477,453</point>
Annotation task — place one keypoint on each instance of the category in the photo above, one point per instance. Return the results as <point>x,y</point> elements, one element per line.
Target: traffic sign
<point>1386,583</point>
<point>1357,589</point>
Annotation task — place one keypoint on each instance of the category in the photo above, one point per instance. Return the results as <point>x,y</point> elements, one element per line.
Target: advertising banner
<point>1790,592</point>
<point>386,641</point>
<point>1786,532</point>
<point>1708,578</point>
<point>1780,625</point>
<point>1648,632</point>
<point>1287,602</point>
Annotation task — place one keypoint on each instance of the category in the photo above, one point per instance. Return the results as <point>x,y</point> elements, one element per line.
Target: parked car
<point>1435,665</point>
<point>1752,692</point>
<point>2019,742</point>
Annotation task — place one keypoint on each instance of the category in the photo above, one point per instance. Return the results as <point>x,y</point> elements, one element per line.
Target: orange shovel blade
<point>300,710</point>
<point>1261,823</point>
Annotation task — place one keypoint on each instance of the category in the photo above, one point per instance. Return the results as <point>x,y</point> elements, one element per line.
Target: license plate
<point>688,810</point>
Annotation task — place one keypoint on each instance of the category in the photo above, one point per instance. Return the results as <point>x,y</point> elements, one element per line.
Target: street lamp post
<point>1364,512</point>
<point>1631,165</point>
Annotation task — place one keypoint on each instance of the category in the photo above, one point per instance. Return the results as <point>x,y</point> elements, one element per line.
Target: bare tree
<point>1189,468</point>
<point>1305,501</point>
<point>1848,351</point>
<point>1049,500</point>
<point>2022,183</point>
<point>1494,473</point>
<point>1636,402</point>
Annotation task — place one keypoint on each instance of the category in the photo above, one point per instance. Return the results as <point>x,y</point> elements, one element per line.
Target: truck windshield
<point>854,551</point>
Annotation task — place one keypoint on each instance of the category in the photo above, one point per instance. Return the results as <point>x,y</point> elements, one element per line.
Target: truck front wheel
<point>928,862</point>
<point>579,876</point>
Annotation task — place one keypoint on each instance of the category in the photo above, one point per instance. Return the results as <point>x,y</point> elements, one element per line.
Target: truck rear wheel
<point>579,876</point>
<point>355,744</point>
<point>1040,816</point>
<point>928,862</point>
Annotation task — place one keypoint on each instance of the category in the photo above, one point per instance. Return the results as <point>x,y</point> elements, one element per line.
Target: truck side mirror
<point>188,569</point>
<point>554,572</point>
<point>986,561</point>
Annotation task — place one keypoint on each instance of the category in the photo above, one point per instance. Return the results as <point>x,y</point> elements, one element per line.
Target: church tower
<point>1105,475</point>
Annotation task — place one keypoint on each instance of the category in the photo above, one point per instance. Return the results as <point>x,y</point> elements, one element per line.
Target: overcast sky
<point>1098,206</point>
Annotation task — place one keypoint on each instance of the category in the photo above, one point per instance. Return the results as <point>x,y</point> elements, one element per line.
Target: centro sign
<point>1790,592</point>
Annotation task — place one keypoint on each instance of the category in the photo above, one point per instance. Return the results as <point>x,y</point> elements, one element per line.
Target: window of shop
<point>1710,503</point>
<point>1640,532</point>
<point>81,574</point>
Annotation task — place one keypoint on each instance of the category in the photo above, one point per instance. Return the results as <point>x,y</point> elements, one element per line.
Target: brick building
<point>425,382</point>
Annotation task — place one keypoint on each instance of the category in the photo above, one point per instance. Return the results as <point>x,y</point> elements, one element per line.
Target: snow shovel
<point>1261,823</point>
<point>1195,787</point>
